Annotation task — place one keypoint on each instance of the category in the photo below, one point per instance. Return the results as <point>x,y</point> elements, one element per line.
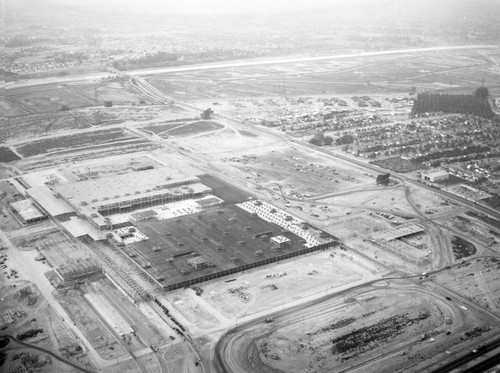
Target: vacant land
<point>194,128</point>
<point>25,314</point>
<point>462,248</point>
<point>242,296</point>
<point>88,321</point>
<point>72,141</point>
<point>162,127</point>
<point>7,155</point>
<point>51,100</point>
<point>397,164</point>
<point>477,280</point>
<point>441,71</point>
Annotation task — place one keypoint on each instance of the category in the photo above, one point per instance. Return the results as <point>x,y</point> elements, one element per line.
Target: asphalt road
<point>470,356</point>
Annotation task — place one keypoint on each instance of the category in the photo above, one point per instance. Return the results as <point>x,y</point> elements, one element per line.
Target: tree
<point>319,139</point>
<point>346,139</point>
<point>482,92</point>
<point>383,179</point>
<point>207,114</point>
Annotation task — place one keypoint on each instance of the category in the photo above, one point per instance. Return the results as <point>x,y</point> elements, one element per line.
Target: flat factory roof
<point>120,186</point>
<point>27,210</point>
<point>44,197</point>
<point>280,239</point>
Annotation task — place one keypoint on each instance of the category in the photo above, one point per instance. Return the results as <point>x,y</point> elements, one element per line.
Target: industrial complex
<point>250,187</point>
<point>156,229</point>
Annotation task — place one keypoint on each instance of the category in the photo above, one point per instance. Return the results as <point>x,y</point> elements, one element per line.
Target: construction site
<point>185,219</point>
<point>156,229</point>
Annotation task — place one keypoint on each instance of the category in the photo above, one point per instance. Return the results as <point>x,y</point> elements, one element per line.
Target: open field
<point>52,97</point>
<point>397,164</point>
<point>7,155</point>
<point>73,141</point>
<point>342,76</point>
<point>385,199</point>
<point>312,274</point>
<point>51,100</point>
<point>195,128</point>
<point>119,92</point>
<point>158,128</point>
<point>9,108</point>
<point>31,125</point>
<point>230,301</point>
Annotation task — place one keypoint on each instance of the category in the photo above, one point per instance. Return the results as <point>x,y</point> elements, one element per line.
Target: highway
<point>471,356</point>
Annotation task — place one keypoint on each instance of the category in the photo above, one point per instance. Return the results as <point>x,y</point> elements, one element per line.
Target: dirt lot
<point>59,250</point>
<point>403,326</point>
<point>264,163</point>
<point>381,74</point>
<point>194,128</point>
<point>7,155</point>
<point>159,128</point>
<point>229,301</point>
<point>52,97</point>
<point>477,280</point>
<point>51,100</point>
<point>8,194</point>
<point>63,142</point>
<point>397,164</point>
<point>391,200</point>
<point>29,318</point>
<point>97,333</point>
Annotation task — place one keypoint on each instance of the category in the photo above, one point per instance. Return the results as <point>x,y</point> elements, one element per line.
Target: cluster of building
<point>95,200</point>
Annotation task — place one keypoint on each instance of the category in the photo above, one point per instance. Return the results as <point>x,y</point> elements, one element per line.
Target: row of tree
<point>461,104</point>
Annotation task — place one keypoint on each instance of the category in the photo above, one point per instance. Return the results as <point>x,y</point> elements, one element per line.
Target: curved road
<point>233,350</point>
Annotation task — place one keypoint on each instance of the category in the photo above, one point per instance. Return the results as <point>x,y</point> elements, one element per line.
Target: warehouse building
<point>280,242</point>
<point>94,200</point>
<point>437,176</point>
<point>26,212</point>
